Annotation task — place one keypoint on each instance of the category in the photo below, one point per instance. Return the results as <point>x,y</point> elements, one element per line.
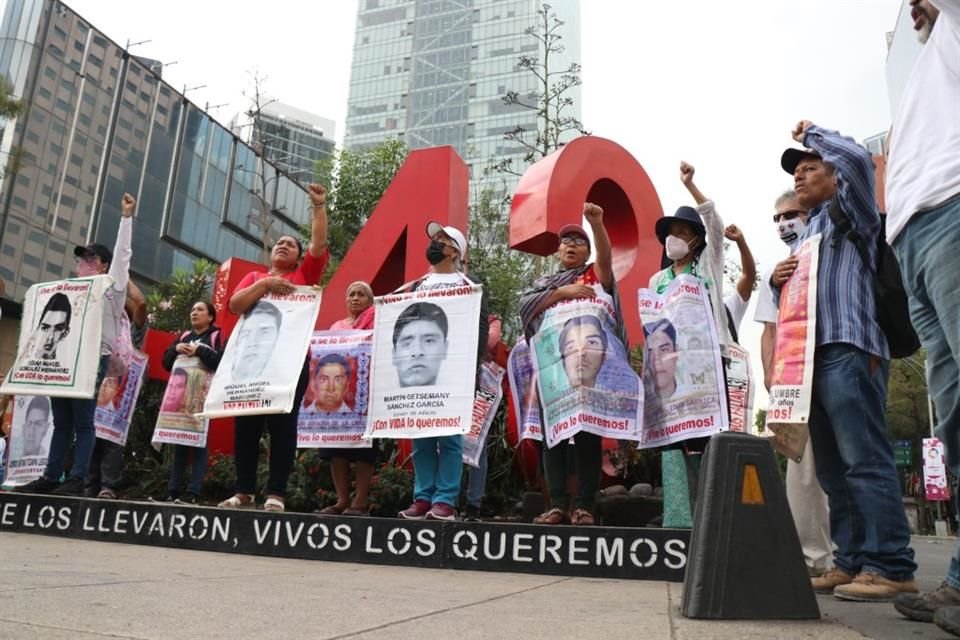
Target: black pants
<point>106,466</point>
<point>282,428</point>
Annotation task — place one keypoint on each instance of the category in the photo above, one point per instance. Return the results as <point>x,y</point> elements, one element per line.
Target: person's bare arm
<point>318,224</point>
<point>243,299</point>
<point>603,256</point>
<point>767,342</point>
<point>748,267</point>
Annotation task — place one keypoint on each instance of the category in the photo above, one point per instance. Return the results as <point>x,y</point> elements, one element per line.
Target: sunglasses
<point>88,258</point>
<point>574,240</point>
<point>786,215</point>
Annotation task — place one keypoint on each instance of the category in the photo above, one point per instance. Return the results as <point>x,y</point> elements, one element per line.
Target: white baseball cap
<point>453,233</point>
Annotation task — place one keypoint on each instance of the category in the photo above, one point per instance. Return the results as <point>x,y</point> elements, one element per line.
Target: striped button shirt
<point>846,311</point>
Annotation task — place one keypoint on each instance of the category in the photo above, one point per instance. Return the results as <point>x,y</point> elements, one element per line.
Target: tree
<point>760,421</point>
<point>504,272</point>
<point>356,180</point>
<point>169,303</point>
<point>258,102</point>
<point>10,107</point>
<point>908,416</point>
<point>550,99</point>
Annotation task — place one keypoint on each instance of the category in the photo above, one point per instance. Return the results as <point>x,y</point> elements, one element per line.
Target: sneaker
<point>471,514</point>
<point>872,587</point>
<point>188,498</point>
<point>922,606</point>
<point>830,580</point>
<point>107,494</point>
<point>163,500</point>
<point>948,619</point>
<point>441,511</point>
<point>71,487</point>
<point>90,492</point>
<point>40,485</point>
<point>417,511</point>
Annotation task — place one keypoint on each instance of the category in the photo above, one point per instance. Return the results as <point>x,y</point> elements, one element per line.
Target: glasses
<point>88,258</point>
<point>574,240</point>
<point>786,215</point>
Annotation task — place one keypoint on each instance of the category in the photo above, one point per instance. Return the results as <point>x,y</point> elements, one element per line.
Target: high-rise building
<point>100,122</point>
<point>295,139</point>
<point>433,72</point>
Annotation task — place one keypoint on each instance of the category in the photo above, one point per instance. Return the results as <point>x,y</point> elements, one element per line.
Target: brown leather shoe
<point>872,587</point>
<point>831,579</point>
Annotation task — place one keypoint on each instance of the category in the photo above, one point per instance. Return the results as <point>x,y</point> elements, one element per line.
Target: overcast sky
<point>718,84</point>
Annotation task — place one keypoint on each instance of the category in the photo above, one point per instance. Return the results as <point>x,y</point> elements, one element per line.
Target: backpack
<point>213,337</point>
<point>890,296</point>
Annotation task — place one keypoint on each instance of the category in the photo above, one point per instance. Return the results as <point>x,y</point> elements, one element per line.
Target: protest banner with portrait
<point>261,365</point>
<point>739,388</point>
<point>523,390</point>
<point>485,405</point>
<point>424,359</point>
<point>31,429</point>
<point>934,471</point>
<point>583,375</point>
<point>791,389</point>
<point>117,399</point>
<point>179,420</point>
<point>58,353</point>
<point>682,366</point>
<point>334,410</point>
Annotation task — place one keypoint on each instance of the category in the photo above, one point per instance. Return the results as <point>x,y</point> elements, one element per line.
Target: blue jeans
<point>73,415</point>
<point>477,480</point>
<point>930,262</point>
<point>437,469</point>
<point>181,456</point>
<point>855,464</point>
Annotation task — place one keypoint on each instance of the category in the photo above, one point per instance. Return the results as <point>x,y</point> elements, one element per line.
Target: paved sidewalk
<point>69,589</point>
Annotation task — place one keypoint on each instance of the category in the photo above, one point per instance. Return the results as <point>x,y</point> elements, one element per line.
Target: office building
<point>294,139</point>
<point>100,122</point>
<point>433,72</point>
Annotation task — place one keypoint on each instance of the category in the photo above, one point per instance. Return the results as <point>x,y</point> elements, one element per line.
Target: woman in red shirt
<point>286,272</point>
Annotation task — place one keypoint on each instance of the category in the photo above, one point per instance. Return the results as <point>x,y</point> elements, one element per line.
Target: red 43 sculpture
<point>433,184</point>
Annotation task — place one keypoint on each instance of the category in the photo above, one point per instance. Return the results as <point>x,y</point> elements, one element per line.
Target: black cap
<point>792,157</point>
<point>688,215</point>
<point>94,249</point>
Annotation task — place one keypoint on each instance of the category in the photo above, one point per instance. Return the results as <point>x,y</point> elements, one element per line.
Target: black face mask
<point>435,253</point>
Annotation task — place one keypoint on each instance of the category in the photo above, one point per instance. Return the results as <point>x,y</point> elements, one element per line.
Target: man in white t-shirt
<point>736,303</point>
<point>923,227</point>
<point>808,503</point>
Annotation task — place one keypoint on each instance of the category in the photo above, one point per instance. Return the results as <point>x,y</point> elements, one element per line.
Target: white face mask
<point>676,247</point>
<point>791,230</point>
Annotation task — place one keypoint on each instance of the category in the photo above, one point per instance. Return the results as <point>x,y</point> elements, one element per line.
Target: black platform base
<point>592,552</point>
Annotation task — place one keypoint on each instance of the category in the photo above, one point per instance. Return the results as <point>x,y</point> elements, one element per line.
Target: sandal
<point>554,516</point>
<point>582,517</point>
<point>351,511</point>
<point>332,510</point>
<point>239,501</point>
<point>274,504</point>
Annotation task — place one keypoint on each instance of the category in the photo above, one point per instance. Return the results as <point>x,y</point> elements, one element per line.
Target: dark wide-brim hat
<point>94,249</point>
<point>688,215</point>
<point>792,157</point>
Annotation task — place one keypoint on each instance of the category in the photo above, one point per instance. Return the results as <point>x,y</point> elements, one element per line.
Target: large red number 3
<point>551,194</point>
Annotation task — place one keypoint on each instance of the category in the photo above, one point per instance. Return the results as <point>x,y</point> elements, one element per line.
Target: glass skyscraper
<point>295,139</point>
<point>99,122</point>
<point>433,72</point>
